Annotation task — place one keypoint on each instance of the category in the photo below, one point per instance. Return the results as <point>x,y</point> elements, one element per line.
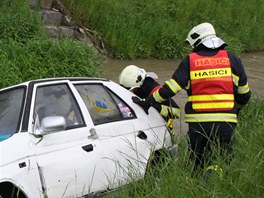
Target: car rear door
<point>125,144</point>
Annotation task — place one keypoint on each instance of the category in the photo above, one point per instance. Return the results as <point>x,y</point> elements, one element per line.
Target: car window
<point>103,105</point>
<point>11,104</point>
<point>57,100</point>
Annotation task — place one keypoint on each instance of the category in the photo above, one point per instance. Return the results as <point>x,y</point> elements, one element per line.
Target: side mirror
<point>50,124</point>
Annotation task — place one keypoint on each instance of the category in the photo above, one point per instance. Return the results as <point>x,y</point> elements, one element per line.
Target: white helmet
<point>204,33</point>
<point>132,77</point>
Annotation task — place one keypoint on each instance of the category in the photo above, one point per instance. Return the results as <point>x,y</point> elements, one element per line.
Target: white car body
<point>81,154</point>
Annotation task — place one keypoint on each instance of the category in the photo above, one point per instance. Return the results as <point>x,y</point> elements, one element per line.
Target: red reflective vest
<point>211,82</point>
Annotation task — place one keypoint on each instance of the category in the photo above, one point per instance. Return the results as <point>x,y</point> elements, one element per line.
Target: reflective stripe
<point>164,111</point>
<point>188,85</point>
<point>211,117</point>
<point>176,112</point>
<point>170,126</point>
<point>214,97</point>
<point>235,79</point>
<point>173,85</point>
<point>243,89</point>
<point>215,168</point>
<point>210,73</point>
<point>157,97</point>
<point>215,105</point>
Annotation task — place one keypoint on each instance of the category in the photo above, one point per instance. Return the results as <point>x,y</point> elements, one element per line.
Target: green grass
<point>136,28</point>
<point>45,59</point>
<point>244,177</point>
<point>18,23</point>
<point>26,53</point>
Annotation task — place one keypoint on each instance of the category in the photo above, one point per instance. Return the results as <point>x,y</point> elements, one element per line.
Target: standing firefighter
<point>143,84</point>
<point>217,89</point>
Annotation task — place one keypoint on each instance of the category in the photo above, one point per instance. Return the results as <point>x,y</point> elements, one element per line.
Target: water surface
<point>253,64</point>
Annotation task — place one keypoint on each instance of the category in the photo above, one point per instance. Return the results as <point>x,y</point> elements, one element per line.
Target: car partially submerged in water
<point>70,137</point>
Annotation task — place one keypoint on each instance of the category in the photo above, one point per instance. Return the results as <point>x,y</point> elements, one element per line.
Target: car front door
<point>68,159</point>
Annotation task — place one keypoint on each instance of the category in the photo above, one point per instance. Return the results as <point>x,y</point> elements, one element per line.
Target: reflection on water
<point>253,63</point>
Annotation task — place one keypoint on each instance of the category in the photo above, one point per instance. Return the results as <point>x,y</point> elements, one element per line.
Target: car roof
<point>56,79</point>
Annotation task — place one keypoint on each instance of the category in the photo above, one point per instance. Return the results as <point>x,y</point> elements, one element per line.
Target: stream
<point>253,64</point>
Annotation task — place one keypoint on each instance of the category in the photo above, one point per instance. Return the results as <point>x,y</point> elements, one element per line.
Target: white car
<point>70,137</point>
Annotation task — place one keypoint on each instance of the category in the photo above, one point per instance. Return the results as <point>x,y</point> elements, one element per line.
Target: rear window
<point>103,105</point>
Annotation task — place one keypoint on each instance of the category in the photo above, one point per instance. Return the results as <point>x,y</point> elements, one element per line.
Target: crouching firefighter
<point>143,84</point>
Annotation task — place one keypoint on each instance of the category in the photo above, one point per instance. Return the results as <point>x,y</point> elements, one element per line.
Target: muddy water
<point>253,64</point>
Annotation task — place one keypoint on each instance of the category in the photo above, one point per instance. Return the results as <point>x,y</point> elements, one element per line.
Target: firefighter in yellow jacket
<point>217,88</point>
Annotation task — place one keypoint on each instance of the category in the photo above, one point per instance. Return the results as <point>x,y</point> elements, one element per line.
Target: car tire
<point>8,190</point>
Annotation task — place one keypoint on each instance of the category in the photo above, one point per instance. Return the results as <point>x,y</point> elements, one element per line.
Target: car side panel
<point>68,169</point>
<point>73,162</point>
<point>18,165</point>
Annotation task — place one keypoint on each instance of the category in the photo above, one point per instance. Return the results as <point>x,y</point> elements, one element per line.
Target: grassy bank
<point>244,177</point>
<point>26,53</point>
<point>136,28</point>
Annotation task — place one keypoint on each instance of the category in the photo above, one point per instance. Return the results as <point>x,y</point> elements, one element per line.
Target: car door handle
<point>142,135</point>
<point>88,148</point>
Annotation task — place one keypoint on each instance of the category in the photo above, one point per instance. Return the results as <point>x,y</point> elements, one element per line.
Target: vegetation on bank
<point>26,53</point>
<point>243,177</point>
<point>136,28</point>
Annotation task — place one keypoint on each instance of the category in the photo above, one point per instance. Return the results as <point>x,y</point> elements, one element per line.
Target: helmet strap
<point>197,42</point>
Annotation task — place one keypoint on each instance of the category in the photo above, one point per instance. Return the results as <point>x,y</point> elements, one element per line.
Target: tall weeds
<point>136,28</point>
<point>243,177</point>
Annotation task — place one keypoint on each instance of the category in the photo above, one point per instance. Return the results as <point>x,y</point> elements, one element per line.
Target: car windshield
<point>10,109</point>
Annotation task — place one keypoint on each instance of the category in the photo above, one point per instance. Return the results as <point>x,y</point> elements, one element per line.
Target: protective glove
<point>142,103</point>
